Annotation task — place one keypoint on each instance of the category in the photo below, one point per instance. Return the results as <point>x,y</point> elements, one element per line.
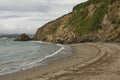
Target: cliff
<point>94,20</point>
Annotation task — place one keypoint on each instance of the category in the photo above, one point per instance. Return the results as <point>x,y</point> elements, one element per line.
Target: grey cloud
<point>28,8</point>
<point>36,19</point>
<point>34,5</point>
<point>19,16</point>
<point>9,16</point>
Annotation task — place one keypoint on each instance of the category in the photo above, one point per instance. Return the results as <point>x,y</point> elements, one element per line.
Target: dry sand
<point>90,61</point>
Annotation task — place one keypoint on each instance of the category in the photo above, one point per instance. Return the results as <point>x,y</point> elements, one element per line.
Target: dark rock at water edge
<point>23,37</point>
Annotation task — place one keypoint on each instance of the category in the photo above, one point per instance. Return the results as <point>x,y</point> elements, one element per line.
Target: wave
<point>55,53</point>
<point>37,62</point>
<point>3,38</point>
<point>45,58</point>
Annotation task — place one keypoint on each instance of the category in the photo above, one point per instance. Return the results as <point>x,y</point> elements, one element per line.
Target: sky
<point>26,16</point>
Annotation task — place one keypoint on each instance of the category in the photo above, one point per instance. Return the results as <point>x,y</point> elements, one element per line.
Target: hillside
<point>94,20</point>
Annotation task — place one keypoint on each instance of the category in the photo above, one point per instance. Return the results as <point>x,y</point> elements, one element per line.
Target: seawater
<point>20,55</point>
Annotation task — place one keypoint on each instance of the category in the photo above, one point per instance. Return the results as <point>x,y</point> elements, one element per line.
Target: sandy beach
<point>90,61</point>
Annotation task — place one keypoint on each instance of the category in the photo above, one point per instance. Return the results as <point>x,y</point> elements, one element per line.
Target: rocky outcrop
<point>91,21</point>
<point>23,37</point>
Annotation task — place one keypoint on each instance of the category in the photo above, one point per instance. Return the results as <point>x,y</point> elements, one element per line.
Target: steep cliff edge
<point>94,20</point>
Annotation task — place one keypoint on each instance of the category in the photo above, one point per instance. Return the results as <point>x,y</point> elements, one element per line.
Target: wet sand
<point>82,65</point>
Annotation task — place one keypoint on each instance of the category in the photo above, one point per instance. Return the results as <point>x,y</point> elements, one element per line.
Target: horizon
<point>27,16</point>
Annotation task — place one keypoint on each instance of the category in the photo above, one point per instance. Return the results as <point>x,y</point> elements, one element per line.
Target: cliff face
<point>94,20</point>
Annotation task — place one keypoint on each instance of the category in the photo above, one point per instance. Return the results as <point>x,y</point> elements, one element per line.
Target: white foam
<point>29,64</point>
<point>55,53</point>
<point>25,64</point>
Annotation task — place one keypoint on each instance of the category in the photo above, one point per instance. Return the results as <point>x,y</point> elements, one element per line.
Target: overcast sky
<point>19,16</point>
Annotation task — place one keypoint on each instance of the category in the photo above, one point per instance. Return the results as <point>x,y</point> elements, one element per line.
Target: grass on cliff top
<point>84,25</point>
<point>84,4</point>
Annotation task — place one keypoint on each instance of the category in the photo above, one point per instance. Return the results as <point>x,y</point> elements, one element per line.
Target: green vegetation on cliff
<point>94,20</point>
<point>84,24</point>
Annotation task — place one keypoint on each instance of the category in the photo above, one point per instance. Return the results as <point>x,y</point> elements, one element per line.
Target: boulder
<point>23,37</point>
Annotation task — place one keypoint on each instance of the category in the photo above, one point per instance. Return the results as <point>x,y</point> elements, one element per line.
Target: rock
<point>23,37</point>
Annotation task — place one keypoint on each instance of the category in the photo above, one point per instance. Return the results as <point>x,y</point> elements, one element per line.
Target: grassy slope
<point>77,21</point>
<point>84,25</point>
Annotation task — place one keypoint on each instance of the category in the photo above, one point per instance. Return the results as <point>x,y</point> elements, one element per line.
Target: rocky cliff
<point>94,20</point>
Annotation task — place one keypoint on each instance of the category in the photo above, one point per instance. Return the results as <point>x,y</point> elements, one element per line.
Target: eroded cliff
<point>94,20</point>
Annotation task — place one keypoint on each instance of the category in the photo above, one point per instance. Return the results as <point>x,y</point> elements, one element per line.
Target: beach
<point>76,58</point>
<point>89,61</point>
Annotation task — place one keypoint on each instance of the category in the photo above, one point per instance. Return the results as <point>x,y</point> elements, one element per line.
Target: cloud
<point>9,16</point>
<point>19,16</point>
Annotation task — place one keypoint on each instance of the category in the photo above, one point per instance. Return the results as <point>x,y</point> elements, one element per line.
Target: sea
<point>17,55</point>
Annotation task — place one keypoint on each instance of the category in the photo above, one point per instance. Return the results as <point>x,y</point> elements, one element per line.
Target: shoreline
<point>63,50</point>
<point>79,55</point>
